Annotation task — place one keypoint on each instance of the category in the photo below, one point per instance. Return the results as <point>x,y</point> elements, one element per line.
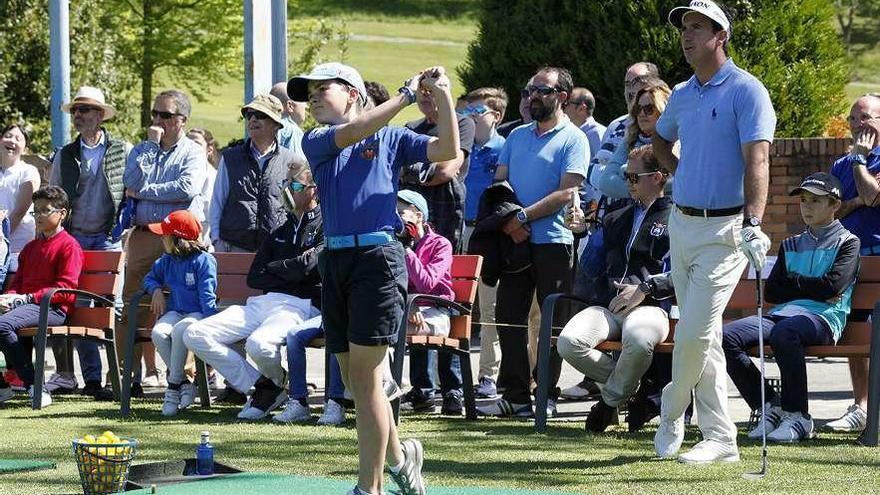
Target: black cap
<point>821,184</point>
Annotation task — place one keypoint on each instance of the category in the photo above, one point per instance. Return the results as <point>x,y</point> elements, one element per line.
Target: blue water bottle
<point>205,455</point>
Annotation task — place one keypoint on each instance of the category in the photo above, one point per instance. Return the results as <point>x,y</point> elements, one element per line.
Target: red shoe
<point>11,377</point>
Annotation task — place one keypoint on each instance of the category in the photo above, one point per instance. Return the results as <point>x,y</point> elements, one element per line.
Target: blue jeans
<point>297,340</point>
<point>89,355</point>
<point>18,351</point>
<point>787,337</point>
<point>423,362</point>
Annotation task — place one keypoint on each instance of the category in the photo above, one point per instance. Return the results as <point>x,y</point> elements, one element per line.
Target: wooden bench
<point>856,341</point>
<point>99,281</point>
<point>232,288</point>
<point>465,279</point>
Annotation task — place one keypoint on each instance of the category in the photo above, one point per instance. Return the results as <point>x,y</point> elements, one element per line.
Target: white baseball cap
<point>298,90</point>
<point>706,7</point>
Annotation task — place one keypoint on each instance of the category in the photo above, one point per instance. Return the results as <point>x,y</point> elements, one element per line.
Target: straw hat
<point>94,97</point>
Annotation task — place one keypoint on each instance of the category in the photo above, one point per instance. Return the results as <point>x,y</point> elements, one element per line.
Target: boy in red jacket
<point>53,259</point>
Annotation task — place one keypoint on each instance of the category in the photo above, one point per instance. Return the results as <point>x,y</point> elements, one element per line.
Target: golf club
<point>760,474</point>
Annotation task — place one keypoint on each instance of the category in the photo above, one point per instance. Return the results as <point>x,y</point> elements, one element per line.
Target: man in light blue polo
<point>725,121</point>
<point>545,163</point>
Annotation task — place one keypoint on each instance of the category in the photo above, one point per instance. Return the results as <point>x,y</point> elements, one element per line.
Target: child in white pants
<point>190,273</point>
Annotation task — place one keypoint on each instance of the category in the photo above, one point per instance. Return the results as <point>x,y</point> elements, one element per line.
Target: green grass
<point>458,453</point>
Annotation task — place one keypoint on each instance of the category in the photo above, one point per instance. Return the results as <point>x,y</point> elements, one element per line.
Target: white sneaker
<point>670,434</point>
<point>187,395</point>
<point>172,402</point>
<point>795,427</point>
<point>551,408</point>
<point>59,382</point>
<point>154,378</point>
<point>253,412</point>
<point>6,394</point>
<point>709,451</point>
<point>293,412</point>
<point>334,414</point>
<point>409,478</point>
<point>505,409</point>
<point>854,419</point>
<point>46,399</point>
<point>580,391</point>
<point>768,423</point>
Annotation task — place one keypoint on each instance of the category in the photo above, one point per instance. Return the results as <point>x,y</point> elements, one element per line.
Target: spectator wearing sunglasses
<point>644,112</point>
<point>580,108</point>
<point>545,163</point>
<point>247,202</point>
<point>89,169</point>
<point>163,174</point>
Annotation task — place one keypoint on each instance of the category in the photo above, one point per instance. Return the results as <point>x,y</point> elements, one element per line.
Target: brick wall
<point>790,161</point>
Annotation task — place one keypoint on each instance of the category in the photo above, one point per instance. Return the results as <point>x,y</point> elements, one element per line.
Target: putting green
<point>259,483</point>
<point>16,465</point>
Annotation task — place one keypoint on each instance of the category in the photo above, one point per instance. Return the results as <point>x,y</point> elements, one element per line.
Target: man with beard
<point>544,162</point>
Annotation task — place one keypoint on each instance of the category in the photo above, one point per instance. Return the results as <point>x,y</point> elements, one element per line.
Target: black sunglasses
<point>163,115</point>
<point>648,109</point>
<point>82,109</point>
<point>541,90</point>
<point>255,114</point>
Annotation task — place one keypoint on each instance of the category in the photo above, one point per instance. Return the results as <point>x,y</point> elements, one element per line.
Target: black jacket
<point>295,250</point>
<point>500,254</point>
<point>646,256</point>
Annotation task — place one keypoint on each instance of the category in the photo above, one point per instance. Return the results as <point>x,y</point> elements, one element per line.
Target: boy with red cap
<point>190,273</point>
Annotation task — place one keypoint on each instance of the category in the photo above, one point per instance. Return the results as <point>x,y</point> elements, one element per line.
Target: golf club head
<point>754,476</point>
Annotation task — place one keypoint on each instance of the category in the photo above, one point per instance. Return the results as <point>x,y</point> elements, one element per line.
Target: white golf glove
<point>755,245</point>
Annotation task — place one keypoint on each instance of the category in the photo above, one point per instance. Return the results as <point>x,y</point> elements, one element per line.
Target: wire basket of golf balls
<point>103,462</point>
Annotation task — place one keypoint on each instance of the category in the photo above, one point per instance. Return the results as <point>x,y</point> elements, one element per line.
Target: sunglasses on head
<point>163,115</point>
<point>255,114</point>
<point>648,109</point>
<point>81,109</point>
<point>634,178</point>
<point>541,90</point>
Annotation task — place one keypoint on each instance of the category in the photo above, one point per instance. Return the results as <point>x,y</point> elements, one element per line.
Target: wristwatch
<point>409,93</point>
<point>859,159</point>
<point>522,217</point>
<point>646,287</point>
<point>751,222</point>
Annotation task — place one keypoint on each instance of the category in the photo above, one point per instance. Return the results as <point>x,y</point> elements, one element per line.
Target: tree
<point>846,11</point>
<point>789,44</point>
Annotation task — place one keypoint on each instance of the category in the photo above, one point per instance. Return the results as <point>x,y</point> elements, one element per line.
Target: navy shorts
<point>363,292</point>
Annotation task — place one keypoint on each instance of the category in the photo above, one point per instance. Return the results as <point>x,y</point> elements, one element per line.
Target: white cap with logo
<point>706,7</point>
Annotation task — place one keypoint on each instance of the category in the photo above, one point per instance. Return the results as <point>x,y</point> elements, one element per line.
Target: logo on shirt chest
<point>190,278</point>
<point>657,229</point>
<point>370,150</point>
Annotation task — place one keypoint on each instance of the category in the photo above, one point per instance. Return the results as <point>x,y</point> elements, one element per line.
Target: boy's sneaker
<point>409,478</point>
<point>334,414</point>
<point>46,399</point>
<point>154,378</point>
<point>11,377</point>
<point>506,409</point>
<point>60,384</point>
<point>795,427</point>
<point>581,391</point>
<point>6,393</point>
<point>486,389</point>
<point>669,436</point>
<point>264,401</point>
<point>294,412</point>
<point>417,401</point>
<point>187,395</point>
<point>709,451</point>
<point>854,419</point>
<point>452,404</point>
<point>768,422</point>
<point>600,418</point>
<point>171,406</point>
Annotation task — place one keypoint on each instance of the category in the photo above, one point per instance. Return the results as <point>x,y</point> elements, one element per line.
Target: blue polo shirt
<point>863,222</point>
<point>484,161</point>
<point>357,185</point>
<point>535,167</point>
<point>712,122</point>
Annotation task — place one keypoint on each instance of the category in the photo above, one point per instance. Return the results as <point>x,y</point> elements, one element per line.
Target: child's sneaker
<point>334,414</point>
<point>60,384</point>
<point>172,403</point>
<point>768,422</point>
<point>486,389</point>
<point>46,399</point>
<point>154,378</point>
<point>854,419</point>
<point>504,408</point>
<point>795,427</point>
<point>294,412</point>
<point>409,477</point>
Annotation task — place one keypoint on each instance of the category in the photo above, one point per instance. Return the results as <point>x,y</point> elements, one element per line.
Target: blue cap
<point>411,197</point>
<point>298,87</point>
